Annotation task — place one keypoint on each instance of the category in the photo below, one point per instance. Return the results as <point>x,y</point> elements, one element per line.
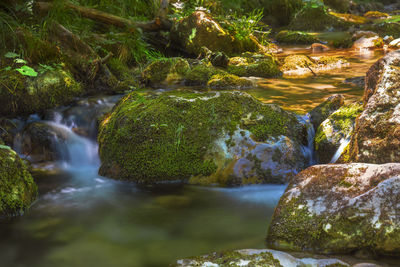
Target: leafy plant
<point>179,136</point>
<point>23,70</point>
<point>244,26</point>
<point>27,71</point>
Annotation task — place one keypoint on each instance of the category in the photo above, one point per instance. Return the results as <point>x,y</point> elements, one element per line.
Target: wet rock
<point>303,65</point>
<point>223,138</point>
<point>256,257</point>
<point>254,65</point>
<point>377,134</point>
<point>8,129</point>
<point>228,81</point>
<point>295,37</point>
<point>165,71</point>
<point>219,59</point>
<point>340,209</point>
<point>367,34</point>
<point>395,43</point>
<point>334,133</point>
<point>368,43</point>
<point>17,188</point>
<point>388,39</point>
<point>36,94</point>
<point>376,15</point>
<point>201,30</point>
<point>356,81</point>
<point>325,109</point>
<point>38,142</point>
<point>317,47</point>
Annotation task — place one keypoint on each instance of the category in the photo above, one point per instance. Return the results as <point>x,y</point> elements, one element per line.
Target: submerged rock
<point>377,134</point>
<point>225,138</point>
<point>17,188</point>
<point>340,209</point>
<point>201,30</point>
<point>334,133</point>
<point>317,47</point>
<point>368,43</point>
<point>325,109</point>
<point>255,257</point>
<point>36,94</point>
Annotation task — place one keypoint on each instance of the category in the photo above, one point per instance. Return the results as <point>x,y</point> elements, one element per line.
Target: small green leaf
<point>27,71</point>
<point>163,125</point>
<point>19,61</point>
<point>11,55</point>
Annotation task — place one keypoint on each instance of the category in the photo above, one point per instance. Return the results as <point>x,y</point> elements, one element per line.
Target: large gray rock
<point>340,209</point>
<point>377,131</point>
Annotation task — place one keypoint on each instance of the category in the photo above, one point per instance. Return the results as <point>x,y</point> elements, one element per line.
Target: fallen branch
<point>159,23</point>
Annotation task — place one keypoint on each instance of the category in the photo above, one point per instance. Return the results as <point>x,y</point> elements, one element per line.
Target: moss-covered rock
<point>21,95</point>
<point>295,37</point>
<point>325,109</point>
<point>17,188</point>
<point>340,209</point>
<point>316,18</point>
<point>368,43</point>
<point>255,257</point>
<point>201,30</point>
<point>385,28</point>
<point>254,65</point>
<point>225,138</point>
<point>376,137</point>
<point>301,64</point>
<point>228,81</point>
<point>338,5</point>
<point>166,71</point>
<point>201,73</point>
<point>336,131</point>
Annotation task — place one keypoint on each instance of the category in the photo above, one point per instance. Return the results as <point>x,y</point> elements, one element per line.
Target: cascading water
<point>343,144</point>
<point>308,150</point>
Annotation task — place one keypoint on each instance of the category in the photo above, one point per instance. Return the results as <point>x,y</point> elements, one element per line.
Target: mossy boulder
<point>335,132</point>
<point>201,73</point>
<point>228,81</point>
<point>223,138</point>
<point>325,109</point>
<point>316,18</point>
<point>385,28</point>
<point>201,30</point>
<point>255,257</point>
<point>304,65</point>
<point>295,37</point>
<point>22,95</point>
<point>340,209</point>
<point>338,5</point>
<point>166,71</point>
<point>17,187</point>
<point>377,132</point>
<point>254,65</point>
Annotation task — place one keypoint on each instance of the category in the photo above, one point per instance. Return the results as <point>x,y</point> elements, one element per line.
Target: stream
<point>83,219</point>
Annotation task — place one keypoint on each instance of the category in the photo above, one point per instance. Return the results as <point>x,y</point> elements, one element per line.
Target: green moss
<point>165,69</point>
<point>263,66</point>
<point>295,37</point>
<point>201,74</point>
<point>344,117</point>
<point>171,136</point>
<point>22,95</point>
<point>228,81</point>
<point>17,188</point>
<point>122,71</point>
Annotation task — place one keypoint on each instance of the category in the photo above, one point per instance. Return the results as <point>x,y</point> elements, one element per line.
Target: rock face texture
<point>325,109</point>
<point>340,209</point>
<point>377,131</point>
<point>224,138</point>
<point>17,188</point>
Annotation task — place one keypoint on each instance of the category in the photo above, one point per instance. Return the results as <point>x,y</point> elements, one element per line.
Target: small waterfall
<point>309,149</point>
<point>343,144</point>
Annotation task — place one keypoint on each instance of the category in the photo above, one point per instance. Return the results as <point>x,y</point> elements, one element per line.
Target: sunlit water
<point>82,219</point>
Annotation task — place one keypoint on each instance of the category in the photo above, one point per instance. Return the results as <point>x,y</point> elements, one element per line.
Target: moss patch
<point>17,188</point>
<point>295,37</point>
<point>228,81</point>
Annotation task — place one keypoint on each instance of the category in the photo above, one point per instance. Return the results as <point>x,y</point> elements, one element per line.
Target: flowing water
<point>82,219</point>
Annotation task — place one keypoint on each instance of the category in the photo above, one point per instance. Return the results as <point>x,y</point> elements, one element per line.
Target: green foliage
<point>243,26</point>
<point>27,71</point>
<point>16,61</point>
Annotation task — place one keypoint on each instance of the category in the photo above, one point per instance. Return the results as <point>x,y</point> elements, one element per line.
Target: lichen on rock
<point>340,209</point>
